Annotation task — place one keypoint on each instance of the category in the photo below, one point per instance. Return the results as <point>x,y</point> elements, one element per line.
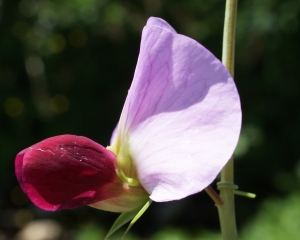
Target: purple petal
<point>113,135</point>
<point>158,22</point>
<point>182,117</point>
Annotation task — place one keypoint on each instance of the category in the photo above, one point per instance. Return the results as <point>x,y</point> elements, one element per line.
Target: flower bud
<point>68,171</point>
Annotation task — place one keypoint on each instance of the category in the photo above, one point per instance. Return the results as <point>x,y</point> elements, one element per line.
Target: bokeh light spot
<point>56,43</point>
<point>13,107</point>
<point>41,230</point>
<point>77,38</point>
<point>251,136</point>
<point>115,13</point>
<point>34,66</point>
<point>22,217</point>
<point>59,103</point>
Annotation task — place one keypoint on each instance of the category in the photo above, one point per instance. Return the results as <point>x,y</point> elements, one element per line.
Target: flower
<point>68,171</point>
<point>179,126</point>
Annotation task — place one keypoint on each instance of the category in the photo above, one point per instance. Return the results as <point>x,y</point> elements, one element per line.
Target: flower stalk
<point>213,195</point>
<point>227,209</point>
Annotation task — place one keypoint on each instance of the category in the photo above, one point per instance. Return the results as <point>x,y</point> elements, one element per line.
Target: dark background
<point>66,67</point>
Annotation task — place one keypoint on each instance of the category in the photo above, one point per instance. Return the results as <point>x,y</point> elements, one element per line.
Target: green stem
<point>229,35</point>
<point>227,210</point>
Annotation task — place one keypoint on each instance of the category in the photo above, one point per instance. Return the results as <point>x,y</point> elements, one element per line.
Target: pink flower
<point>179,126</point>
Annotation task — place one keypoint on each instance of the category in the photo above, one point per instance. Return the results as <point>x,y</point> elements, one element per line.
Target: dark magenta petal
<point>19,167</point>
<point>65,172</point>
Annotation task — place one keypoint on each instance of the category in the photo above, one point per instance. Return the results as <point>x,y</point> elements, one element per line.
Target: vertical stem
<point>227,210</point>
<point>229,35</point>
<point>226,186</point>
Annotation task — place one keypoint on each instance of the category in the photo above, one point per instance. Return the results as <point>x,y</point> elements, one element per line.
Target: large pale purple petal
<point>182,117</point>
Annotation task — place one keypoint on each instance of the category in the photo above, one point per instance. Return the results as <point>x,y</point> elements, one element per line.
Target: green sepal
<point>140,213</point>
<point>125,218</point>
<point>121,220</point>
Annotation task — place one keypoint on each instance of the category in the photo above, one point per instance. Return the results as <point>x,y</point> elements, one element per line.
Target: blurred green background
<point>66,67</point>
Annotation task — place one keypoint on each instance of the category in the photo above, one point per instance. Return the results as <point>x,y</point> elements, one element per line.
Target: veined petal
<point>68,171</point>
<point>181,119</point>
